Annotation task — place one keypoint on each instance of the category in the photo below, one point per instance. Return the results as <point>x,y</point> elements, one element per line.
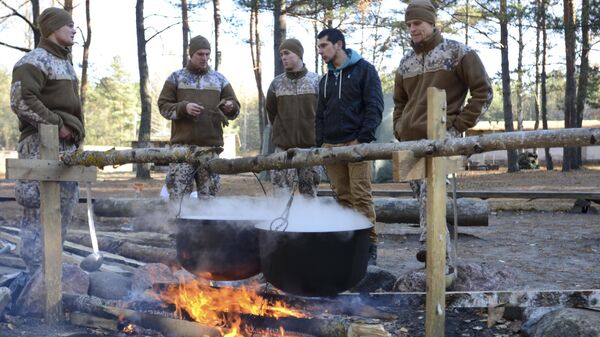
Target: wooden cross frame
<point>50,171</point>
<point>434,169</point>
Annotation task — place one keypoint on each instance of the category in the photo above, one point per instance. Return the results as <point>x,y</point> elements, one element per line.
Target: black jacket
<point>350,102</point>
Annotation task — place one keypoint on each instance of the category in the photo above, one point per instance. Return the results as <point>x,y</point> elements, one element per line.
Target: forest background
<point>541,55</point>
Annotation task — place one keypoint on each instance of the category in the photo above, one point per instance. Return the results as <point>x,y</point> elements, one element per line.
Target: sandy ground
<point>544,246</point>
<point>538,241</point>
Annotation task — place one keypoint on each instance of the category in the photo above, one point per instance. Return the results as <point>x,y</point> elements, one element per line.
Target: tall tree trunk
<point>467,22</point>
<point>185,31</point>
<point>86,54</point>
<point>68,6</point>
<point>519,87</point>
<point>217,19</point>
<point>256,63</point>
<point>317,56</point>
<point>279,32</point>
<point>506,96</point>
<point>544,91</point>
<point>569,153</point>
<point>537,64</point>
<point>35,13</point>
<point>584,69</point>
<point>142,171</point>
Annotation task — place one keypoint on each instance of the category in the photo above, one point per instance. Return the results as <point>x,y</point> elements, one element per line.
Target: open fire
<point>224,307</point>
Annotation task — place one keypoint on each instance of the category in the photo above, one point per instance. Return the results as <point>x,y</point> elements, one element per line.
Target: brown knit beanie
<point>294,46</point>
<point>420,10</point>
<point>52,19</point>
<point>198,42</point>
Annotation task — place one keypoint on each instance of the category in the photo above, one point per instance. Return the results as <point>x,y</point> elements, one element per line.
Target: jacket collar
<point>294,75</point>
<point>194,70</point>
<point>54,49</point>
<point>427,45</point>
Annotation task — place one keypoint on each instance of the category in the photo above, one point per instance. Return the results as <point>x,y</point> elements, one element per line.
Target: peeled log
<point>471,212</point>
<point>294,158</point>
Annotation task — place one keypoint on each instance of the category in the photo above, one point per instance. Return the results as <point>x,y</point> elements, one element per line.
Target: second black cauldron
<point>314,262</point>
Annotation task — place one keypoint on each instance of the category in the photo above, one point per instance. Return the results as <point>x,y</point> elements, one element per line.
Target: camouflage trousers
<point>181,177</point>
<point>27,193</point>
<point>308,180</point>
<point>419,188</point>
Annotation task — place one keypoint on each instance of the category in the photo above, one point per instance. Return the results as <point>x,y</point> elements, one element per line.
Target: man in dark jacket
<point>199,102</point>
<point>349,110</point>
<point>445,64</point>
<point>45,90</point>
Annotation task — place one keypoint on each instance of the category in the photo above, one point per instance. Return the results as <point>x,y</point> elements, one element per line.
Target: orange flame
<point>129,328</point>
<point>221,307</point>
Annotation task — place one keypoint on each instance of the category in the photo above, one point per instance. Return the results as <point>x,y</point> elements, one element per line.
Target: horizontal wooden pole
<point>294,158</point>
<point>471,212</point>
<point>47,170</point>
<point>490,194</point>
<point>578,298</point>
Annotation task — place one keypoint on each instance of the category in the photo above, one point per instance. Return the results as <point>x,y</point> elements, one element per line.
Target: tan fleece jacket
<point>291,106</point>
<point>44,86</point>
<point>209,89</point>
<point>444,64</point>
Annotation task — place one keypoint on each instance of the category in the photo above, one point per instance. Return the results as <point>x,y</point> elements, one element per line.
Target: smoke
<point>305,214</point>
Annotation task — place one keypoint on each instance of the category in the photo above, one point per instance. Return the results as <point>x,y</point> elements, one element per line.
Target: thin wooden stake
<point>51,229</point>
<point>435,304</point>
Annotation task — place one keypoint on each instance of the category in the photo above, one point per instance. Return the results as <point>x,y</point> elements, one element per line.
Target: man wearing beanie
<point>349,111</point>
<point>199,102</point>
<point>291,105</point>
<point>45,91</point>
<point>445,64</point>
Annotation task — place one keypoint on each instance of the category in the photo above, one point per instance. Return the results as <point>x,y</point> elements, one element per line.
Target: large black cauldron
<point>218,249</point>
<point>310,263</point>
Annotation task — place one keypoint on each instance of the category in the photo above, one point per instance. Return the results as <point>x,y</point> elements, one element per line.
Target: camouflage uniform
<point>419,188</point>
<point>308,180</point>
<point>44,90</point>
<point>290,104</point>
<point>181,176</point>
<point>27,193</point>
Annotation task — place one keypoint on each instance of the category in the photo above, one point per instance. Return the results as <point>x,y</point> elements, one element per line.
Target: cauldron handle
<point>280,223</point>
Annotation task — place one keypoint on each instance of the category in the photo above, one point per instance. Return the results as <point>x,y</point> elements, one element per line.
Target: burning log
<point>168,324</point>
<point>117,310</point>
<point>295,158</point>
<point>472,212</point>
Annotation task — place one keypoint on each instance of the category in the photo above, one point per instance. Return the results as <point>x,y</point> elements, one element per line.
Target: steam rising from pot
<point>306,215</point>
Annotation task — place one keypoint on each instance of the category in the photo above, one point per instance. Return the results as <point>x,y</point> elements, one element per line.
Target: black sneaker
<point>372,254</point>
<point>422,256</point>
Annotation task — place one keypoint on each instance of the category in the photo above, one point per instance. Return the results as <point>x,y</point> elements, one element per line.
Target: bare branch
<point>17,14</point>
<point>25,50</point>
<point>162,30</point>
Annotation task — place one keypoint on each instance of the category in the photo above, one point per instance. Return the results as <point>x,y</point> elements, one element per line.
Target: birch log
<point>294,158</point>
<point>471,212</point>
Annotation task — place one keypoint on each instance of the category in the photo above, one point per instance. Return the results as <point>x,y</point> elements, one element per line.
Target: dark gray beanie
<point>53,19</point>
<point>198,42</point>
<point>294,46</point>
<point>420,10</point>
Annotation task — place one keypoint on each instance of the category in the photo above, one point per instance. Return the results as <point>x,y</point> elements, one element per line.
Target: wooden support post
<point>435,304</point>
<point>50,171</point>
<point>51,230</point>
